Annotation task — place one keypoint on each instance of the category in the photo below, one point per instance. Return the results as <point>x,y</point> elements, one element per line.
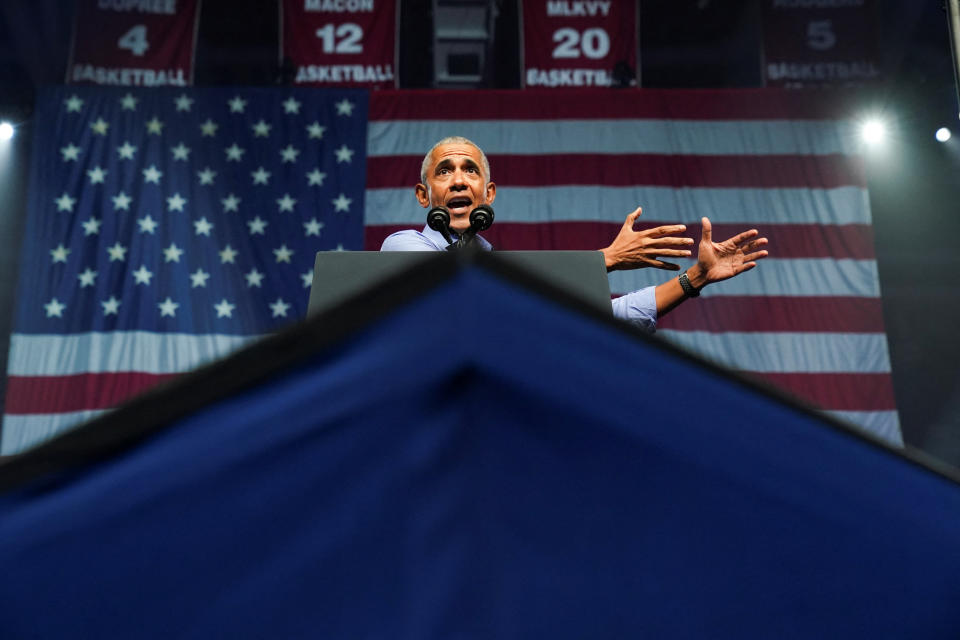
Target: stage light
<point>943,134</point>
<point>873,131</point>
<point>6,130</point>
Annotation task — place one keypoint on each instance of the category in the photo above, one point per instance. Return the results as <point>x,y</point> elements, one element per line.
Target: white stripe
<point>20,432</point>
<point>48,355</point>
<point>754,206</point>
<point>770,352</point>
<point>687,137</point>
<point>773,277</point>
<point>884,424</point>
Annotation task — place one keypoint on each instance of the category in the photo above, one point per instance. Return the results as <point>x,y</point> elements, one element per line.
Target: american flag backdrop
<point>570,165</point>
<point>164,229</point>
<point>140,264</point>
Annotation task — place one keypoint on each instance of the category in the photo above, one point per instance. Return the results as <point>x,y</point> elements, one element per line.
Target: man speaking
<point>456,174</point>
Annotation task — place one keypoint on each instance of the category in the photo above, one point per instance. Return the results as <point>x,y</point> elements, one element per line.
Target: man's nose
<point>459,183</point>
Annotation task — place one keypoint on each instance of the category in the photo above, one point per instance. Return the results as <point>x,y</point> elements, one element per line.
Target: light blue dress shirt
<point>637,307</point>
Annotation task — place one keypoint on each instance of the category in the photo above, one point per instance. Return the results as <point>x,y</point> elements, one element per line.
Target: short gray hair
<point>454,140</point>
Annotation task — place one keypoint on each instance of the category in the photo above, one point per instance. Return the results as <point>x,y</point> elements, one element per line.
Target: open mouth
<point>459,205</point>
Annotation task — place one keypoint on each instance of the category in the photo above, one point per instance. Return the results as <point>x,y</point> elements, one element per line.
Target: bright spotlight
<point>943,134</point>
<point>6,130</point>
<point>873,131</point>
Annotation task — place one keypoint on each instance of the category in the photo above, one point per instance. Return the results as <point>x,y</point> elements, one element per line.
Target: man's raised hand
<point>637,249</point>
<point>721,260</point>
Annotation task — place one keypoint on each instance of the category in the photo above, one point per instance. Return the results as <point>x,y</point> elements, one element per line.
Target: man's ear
<point>491,192</point>
<point>422,196</point>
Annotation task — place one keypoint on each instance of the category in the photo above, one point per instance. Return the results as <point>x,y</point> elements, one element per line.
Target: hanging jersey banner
<point>344,43</point>
<point>823,43</point>
<point>579,44</point>
<point>143,43</point>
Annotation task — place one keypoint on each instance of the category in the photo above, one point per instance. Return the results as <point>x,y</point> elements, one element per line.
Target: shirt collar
<point>437,238</point>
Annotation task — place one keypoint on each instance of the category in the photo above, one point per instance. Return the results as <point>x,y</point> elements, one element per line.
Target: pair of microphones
<point>481,219</point>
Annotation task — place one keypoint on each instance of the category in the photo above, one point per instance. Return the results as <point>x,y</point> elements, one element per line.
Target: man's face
<point>455,180</point>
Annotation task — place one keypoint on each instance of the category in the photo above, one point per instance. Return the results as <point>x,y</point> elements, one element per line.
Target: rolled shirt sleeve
<point>638,308</point>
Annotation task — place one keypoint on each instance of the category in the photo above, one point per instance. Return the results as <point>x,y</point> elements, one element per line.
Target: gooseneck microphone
<point>438,219</point>
<point>481,219</point>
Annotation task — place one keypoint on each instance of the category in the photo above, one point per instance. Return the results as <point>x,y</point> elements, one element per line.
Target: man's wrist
<point>697,276</point>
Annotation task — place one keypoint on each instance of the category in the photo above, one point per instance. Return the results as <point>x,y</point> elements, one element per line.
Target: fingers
<point>745,236</point>
<point>758,255</point>
<point>632,217</point>
<point>666,266</point>
<point>707,230</point>
<point>666,230</point>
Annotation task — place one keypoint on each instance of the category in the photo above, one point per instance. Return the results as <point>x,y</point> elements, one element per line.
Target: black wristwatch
<point>688,289</point>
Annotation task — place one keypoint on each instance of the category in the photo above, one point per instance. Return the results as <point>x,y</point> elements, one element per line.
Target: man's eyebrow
<point>447,163</point>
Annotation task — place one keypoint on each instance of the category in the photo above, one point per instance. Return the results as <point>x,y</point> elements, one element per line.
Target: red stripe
<point>79,392</point>
<point>686,104</point>
<point>785,240</point>
<point>778,313</point>
<point>627,170</point>
<point>838,391</point>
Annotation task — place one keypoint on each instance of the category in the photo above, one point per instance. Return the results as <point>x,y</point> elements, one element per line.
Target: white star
<point>91,226</point>
<point>65,202</point>
<point>126,150</point>
<point>117,252</point>
<point>260,176</point>
<point>254,278</point>
<point>315,130</point>
<point>122,201</point>
<point>234,153</point>
<point>286,202</point>
<point>172,253</point>
<point>289,153</point>
<point>342,203</point>
<point>279,308</point>
<point>312,227</point>
<point>54,308</point>
<point>224,309</point>
<point>176,202</point>
<point>237,105</point>
<point>199,278</point>
<point>261,129</point>
<point>168,308</point>
<point>59,254</point>
<point>344,154</point>
<point>128,102</point>
<point>147,224</point>
<point>181,152</point>
<point>230,203</point>
<point>307,278</point>
<point>183,102</point>
<point>339,247</point>
<point>283,254</point>
<point>70,152</point>
<point>87,277</point>
<point>154,126</point>
<point>291,105</point>
<point>227,255</point>
<point>97,175</point>
<point>344,108</point>
<point>142,275</point>
<point>207,175</point>
<point>111,306</point>
<point>208,129</point>
<point>202,227</point>
<point>315,178</point>
<point>257,226</point>
<point>73,104</point>
<point>152,174</point>
<point>100,126</point>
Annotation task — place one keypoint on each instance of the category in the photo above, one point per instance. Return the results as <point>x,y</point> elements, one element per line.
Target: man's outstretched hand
<point>636,249</point>
<point>718,261</point>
